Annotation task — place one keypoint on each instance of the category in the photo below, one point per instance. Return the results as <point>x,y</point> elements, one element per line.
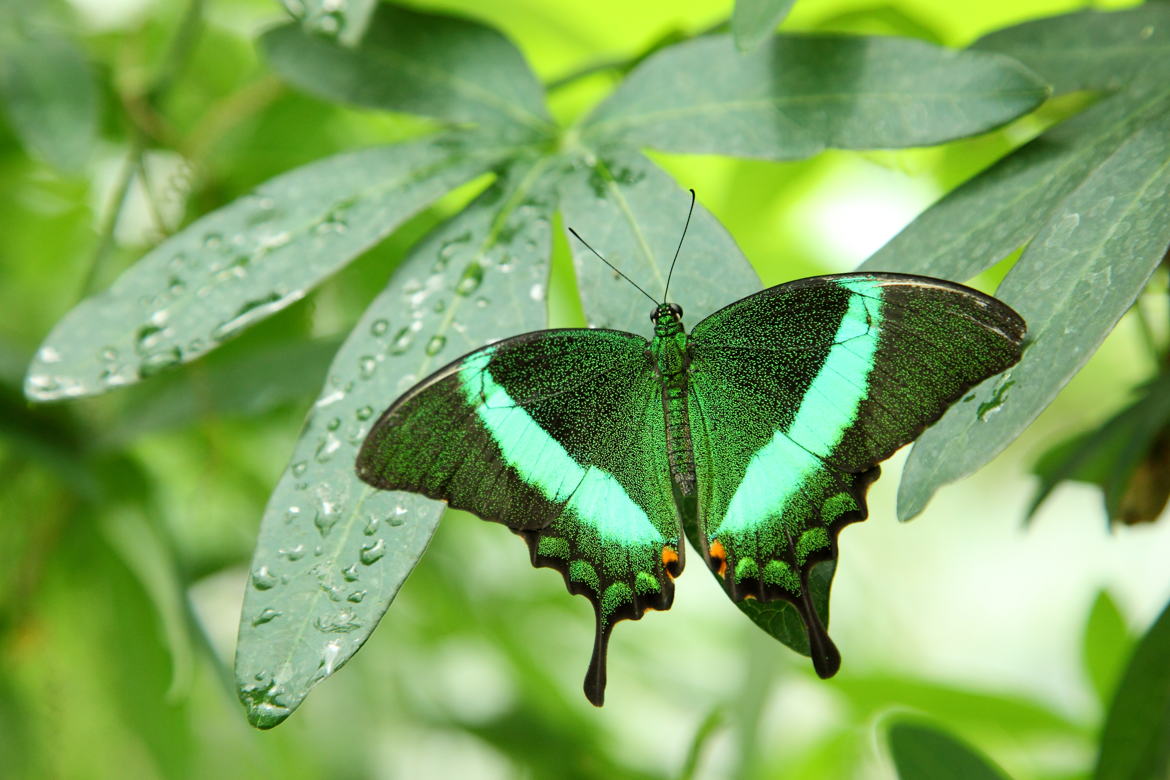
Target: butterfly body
<point>756,435</point>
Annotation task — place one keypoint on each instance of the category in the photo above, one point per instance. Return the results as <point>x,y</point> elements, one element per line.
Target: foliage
<point>467,206</point>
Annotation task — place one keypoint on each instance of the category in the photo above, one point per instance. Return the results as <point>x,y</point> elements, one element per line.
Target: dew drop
<point>536,292</point>
<point>159,361</point>
<point>292,514</point>
<point>248,313</point>
<point>399,516</point>
<point>367,366</point>
<point>326,449</point>
<point>436,344</point>
<point>266,615</point>
<point>379,327</point>
<point>263,579</point>
<point>470,280</point>
<point>371,525</point>
<point>372,552</point>
<point>212,241</point>
<point>48,355</point>
<point>176,286</point>
<point>108,353</point>
<point>325,522</point>
<point>148,337</point>
<point>356,597</point>
<point>365,413</point>
<point>329,659</point>
<point>299,468</point>
<point>350,572</point>
<point>293,553</point>
<point>481,302</point>
<point>402,341</point>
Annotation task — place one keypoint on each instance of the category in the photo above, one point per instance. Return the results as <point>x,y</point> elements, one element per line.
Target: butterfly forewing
<point>559,435</point>
<point>796,394</point>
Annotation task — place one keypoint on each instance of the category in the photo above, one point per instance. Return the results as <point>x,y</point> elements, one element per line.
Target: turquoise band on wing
<point>593,495</point>
<point>826,412</point>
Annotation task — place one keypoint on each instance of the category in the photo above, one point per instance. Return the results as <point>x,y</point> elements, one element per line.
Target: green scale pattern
<point>758,434</point>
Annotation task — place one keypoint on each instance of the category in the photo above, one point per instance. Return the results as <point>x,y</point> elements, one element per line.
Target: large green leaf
<point>1083,270</point>
<point>245,261</point>
<point>48,92</point>
<point>437,66</point>
<point>1105,646</point>
<point>754,20</point>
<point>798,95</point>
<point>631,212</point>
<point>1091,49</point>
<point>989,217</point>
<point>923,752</point>
<point>333,551</point>
<point>1135,743</point>
<point>1110,455</point>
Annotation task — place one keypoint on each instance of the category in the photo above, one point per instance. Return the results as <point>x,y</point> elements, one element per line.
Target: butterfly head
<point>667,318</point>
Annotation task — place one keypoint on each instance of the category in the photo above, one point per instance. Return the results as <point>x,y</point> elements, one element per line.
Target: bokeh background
<point>127,522</point>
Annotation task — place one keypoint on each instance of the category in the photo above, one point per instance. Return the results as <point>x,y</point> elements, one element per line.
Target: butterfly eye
<point>676,310</point>
<point>654,314</point>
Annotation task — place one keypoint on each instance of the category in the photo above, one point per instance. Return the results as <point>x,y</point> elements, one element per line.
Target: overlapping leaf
<point>798,95</point>
<point>334,551</point>
<point>1135,742</point>
<point>754,20</point>
<point>922,752</point>
<point>450,69</point>
<point>1089,196</point>
<point>47,91</point>
<point>246,261</point>
<point>1110,456</point>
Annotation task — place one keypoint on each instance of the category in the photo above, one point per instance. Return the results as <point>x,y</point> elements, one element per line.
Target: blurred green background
<point>127,522</point>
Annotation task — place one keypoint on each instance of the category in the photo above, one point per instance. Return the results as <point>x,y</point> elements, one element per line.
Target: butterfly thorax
<point>671,358</point>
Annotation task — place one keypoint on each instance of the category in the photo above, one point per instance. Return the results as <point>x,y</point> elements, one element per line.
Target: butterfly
<point>756,435</point>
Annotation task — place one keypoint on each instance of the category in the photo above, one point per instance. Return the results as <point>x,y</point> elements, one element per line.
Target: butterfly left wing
<point>799,391</point>
<point>558,435</point>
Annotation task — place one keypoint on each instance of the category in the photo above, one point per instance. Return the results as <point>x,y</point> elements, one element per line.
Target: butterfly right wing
<point>799,391</point>
<point>559,435</point>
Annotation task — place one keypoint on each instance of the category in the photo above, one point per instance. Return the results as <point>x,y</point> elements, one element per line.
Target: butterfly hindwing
<point>799,391</point>
<point>558,435</point>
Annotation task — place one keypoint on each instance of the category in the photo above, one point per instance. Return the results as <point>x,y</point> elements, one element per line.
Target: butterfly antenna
<point>680,243</point>
<point>611,265</point>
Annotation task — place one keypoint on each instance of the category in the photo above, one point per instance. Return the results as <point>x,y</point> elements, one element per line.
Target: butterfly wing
<point>799,391</point>
<point>559,435</point>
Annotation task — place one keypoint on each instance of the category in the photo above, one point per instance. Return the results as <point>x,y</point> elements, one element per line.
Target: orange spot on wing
<point>669,560</point>
<point>719,555</point>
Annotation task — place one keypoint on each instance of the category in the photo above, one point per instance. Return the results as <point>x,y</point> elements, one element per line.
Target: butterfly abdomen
<point>671,362</point>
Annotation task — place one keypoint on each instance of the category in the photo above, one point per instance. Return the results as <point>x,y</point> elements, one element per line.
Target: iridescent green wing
<point>799,391</point>
<point>559,435</point>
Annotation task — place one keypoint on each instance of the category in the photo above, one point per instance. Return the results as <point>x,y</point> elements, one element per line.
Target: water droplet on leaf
<point>372,552</point>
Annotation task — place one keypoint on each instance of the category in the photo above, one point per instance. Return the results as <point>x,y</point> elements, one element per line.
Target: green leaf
<point>995,213</point>
<point>48,91</point>
<point>1091,49</point>
<point>237,385</point>
<point>437,66</point>
<point>344,19</point>
<point>1083,270</point>
<point>1135,743</point>
<point>633,213</point>
<point>1106,646</point>
<point>1110,455</point>
<point>754,20</point>
<point>240,264</point>
<point>798,95</point>
<point>781,620</point>
<point>332,551</point>
<point>923,752</point>
<point>971,711</point>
